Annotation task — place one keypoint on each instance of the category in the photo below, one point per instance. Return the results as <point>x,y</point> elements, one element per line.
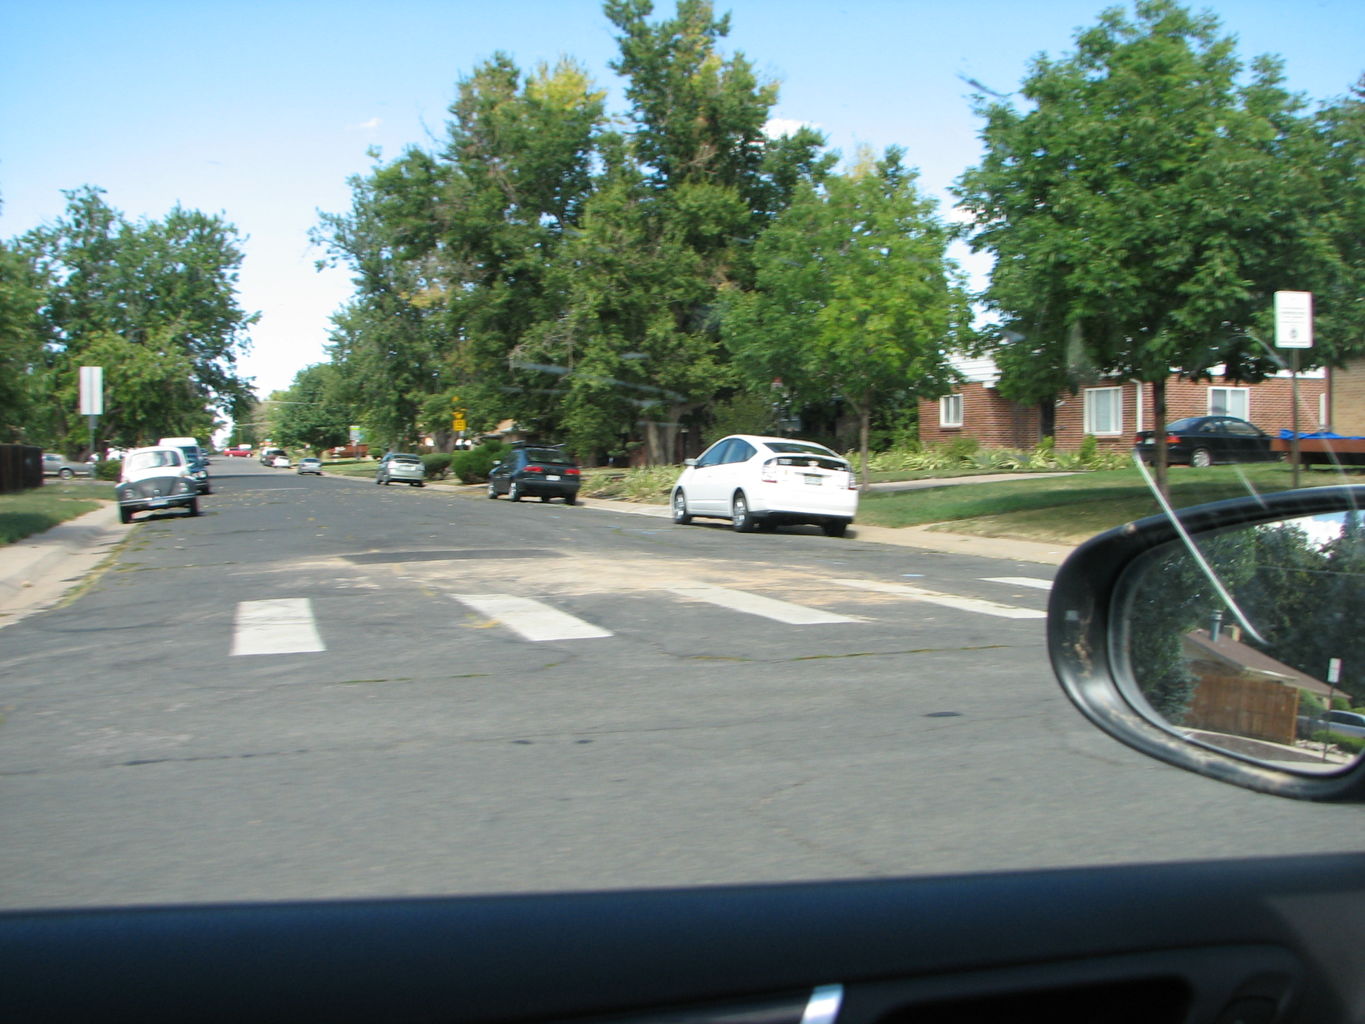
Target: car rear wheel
<point>680,514</point>
<point>492,490</point>
<point>514,491</point>
<point>544,499</point>
<point>740,519</point>
<point>571,499</point>
<point>124,516</point>
<point>1201,457</point>
<point>194,507</point>
<point>835,528</point>
<point>66,474</point>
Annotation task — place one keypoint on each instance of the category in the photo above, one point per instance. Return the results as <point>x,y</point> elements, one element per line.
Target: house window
<point>1103,411</point>
<point>950,411</point>
<point>1230,402</point>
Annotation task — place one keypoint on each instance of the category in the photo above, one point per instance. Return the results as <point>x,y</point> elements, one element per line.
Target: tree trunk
<point>1160,459</point>
<point>864,429</point>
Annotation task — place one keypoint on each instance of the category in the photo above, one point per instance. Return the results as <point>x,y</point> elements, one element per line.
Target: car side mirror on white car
<point>1218,638</point>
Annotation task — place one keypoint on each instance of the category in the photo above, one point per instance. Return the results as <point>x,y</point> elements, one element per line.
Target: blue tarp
<point>1288,435</point>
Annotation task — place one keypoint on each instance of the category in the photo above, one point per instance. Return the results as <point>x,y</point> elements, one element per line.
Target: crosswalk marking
<point>278,626</point>
<point>966,604</point>
<point>756,604</point>
<point>533,620</point>
<point>1019,581</point>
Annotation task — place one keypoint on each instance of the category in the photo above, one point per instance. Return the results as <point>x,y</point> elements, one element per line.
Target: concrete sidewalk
<point>36,572</point>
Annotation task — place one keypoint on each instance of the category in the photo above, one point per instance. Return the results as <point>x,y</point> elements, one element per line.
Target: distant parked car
<point>61,466</point>
<point>403,467</point>
<point>1343,723</point>
<point>536,471</point>
<point>763,482</point>
<point>155,478</point>
<point>310,466</point>
<point>268,455</point>
<point>1205,440</point>
<point>281,462</point>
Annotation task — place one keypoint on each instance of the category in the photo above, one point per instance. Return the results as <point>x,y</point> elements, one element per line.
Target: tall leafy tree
<point>855,297</point>
<point>687,190</point>
<point>1143,208</point>
<point>385,343</point>
<point>25,370</point>
<point>313,412</point>
<point>155,303</point>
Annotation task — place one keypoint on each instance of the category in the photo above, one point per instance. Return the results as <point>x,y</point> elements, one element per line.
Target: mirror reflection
<point>1254,641</point>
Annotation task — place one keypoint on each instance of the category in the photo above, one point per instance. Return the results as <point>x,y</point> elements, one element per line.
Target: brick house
<point>1113,410</point>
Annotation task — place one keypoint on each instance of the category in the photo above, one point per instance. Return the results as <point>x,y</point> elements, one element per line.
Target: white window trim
<point>1089,415</point>
<point>947,418</point>
<point>1244,415</point>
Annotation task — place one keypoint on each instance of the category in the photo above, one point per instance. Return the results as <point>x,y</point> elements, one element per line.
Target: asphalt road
<point>322,688</point>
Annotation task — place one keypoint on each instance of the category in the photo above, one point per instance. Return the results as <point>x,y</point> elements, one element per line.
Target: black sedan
<point>1204,440</point>
<point>536,472</point>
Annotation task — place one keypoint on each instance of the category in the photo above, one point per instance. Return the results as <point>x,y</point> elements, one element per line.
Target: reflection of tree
<point>1173,597</point>
<point>1302,595</point>
<point>1305,599</point>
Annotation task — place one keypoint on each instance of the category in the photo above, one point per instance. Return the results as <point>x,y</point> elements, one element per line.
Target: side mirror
<point>1216,640</point>
<point>689,462</point>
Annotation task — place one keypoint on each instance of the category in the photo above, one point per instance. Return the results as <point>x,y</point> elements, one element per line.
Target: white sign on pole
<point>92,390</point>
<point>1334,670</point>
<point>1293,319</point>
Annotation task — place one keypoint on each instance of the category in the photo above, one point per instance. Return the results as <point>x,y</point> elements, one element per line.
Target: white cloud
<point>365,126</point>
<point>780,126</point>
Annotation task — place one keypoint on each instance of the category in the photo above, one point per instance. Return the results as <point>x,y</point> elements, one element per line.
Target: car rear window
<point>549,455</point>
<point>797,448</point>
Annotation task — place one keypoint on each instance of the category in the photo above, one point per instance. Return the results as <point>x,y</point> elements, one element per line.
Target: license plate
<point>815,481</point>
<point>158,503</point>
<point>552,478</point>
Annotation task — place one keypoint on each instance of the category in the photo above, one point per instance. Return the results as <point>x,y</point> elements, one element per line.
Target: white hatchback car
<point>763,482</point>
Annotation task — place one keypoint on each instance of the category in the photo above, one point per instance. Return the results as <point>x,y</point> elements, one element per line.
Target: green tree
<point>1143,209</point>
<point>155,303</point>
<point>25,363</point>
<point>312,413</point>
<point>855,296</point>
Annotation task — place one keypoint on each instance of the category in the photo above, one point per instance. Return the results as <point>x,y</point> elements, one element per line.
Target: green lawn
<point>30,512</point>
<point>1070,508</point>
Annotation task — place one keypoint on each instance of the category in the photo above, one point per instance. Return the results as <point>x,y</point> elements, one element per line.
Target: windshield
<point>954,265</point>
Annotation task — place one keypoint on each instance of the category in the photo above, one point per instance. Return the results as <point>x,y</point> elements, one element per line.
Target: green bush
<point>108,469</point>
<point>472,467</point>
<point>1349,744</point>
<point>436,465</point>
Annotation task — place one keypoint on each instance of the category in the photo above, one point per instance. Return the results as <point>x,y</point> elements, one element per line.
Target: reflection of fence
<point>1234,703</point>
<point>21,467</point>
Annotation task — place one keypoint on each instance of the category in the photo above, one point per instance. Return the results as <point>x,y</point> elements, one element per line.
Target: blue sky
<point>261,110</point>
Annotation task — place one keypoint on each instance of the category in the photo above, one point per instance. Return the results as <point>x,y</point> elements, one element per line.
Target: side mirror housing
<point>1212,640</point>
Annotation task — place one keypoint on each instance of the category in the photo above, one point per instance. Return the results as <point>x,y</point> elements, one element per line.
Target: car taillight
<point>852,480</point>
<point>769,473</point>
<point>1172,439</point>
<point>535,469</point>
<point>572,471</point>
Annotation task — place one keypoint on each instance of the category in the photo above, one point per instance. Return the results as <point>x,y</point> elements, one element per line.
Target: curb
<point>37,571</point>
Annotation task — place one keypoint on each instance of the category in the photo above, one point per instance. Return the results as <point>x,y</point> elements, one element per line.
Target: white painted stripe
<point>280,626</point>
<point>755,604</point>
<point>966,604</point>
<point>1019,581</point>
<point>533,620</point>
